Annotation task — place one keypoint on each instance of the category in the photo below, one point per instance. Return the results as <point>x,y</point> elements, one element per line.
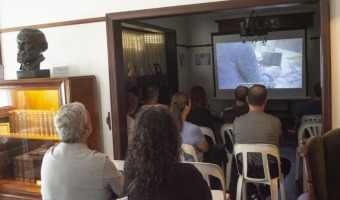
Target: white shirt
<point>73,171</point>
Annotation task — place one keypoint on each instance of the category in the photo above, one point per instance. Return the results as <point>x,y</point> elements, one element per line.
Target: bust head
<point>131,69</point>
<point>31,44</point>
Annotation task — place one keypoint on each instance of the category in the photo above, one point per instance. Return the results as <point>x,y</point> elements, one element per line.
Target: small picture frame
<point>4,128</point>
<point>158,69</point>
<point>202,59</point>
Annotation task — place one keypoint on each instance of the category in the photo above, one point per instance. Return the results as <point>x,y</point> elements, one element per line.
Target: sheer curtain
<point>144,50</point>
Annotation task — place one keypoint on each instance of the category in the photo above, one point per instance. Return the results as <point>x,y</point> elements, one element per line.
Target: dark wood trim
<point>117,88</point>
<point>55,24</point>
<point>113,18</point>
<point>190,46</point>
<point>325,60</point>
<point>205,8</point>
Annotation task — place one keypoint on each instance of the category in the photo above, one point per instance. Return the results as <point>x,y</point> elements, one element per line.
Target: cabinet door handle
<point>108,120</point>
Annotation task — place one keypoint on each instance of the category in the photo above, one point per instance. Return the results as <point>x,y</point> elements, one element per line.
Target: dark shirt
<point>201,117</point>
<point>313,107</point>
<point>184,183</point>
<point>230,114</point>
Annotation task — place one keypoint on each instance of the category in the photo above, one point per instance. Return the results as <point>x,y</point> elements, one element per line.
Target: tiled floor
<point>287,150</point>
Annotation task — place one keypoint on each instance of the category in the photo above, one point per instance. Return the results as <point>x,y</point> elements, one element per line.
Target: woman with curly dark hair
<point>153,169</point>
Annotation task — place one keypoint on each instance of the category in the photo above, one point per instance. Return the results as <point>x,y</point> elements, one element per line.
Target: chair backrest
<point>188,149</point>
<point>209,169</point>
<point>313,128</point>
<point>264,150</point>
<point>321,164</point>
<point>306,118</point>
<point>227,136</point>
<point>207,131</point>
<point>119,164</point>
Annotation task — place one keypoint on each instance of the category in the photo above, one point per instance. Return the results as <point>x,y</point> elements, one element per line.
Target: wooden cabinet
<point>27,109</point>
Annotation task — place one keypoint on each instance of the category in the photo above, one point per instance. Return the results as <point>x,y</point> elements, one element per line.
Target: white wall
<point>81,47</point>
<point>335,61</point>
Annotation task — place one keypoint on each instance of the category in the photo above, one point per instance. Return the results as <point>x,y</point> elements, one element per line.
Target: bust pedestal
<point>43,73</point>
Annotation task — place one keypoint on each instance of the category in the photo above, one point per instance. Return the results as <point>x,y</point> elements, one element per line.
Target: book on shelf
<point>27,166</point>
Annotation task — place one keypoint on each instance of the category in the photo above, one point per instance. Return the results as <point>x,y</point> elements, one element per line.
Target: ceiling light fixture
<point>256,28</point>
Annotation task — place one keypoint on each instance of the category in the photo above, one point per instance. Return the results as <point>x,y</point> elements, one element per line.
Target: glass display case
<point>27,109</point>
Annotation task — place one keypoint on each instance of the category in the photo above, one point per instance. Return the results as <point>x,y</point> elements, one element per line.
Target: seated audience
<point>258,127</point>
<point>153,169</point>
<point>312,107</point>
<point>241,105</point>
<point>201,116</point>
<point>71,170</point>
<point>198,114</point>
<point>191,133</point>
<point>132,102</point>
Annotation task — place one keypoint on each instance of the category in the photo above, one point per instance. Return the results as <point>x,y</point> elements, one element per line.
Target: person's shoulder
<point>228,110</point>
<point>186,168</point>
<point>243,117</point>
<point>190,125</point>
<point>272,117</point>
<point>96,155</point>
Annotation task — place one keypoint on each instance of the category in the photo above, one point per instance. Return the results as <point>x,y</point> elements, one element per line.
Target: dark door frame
<point>115,52</point>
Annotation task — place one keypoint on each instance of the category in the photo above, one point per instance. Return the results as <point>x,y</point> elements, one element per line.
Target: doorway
<point>117,72</point>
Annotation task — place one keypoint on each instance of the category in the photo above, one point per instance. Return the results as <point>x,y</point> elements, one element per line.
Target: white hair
<point>70,122</point>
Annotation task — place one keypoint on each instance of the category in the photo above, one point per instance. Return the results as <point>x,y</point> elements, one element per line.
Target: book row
<point>32,122</point>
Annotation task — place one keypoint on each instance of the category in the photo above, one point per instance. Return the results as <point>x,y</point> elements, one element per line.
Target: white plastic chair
<point>306,118</point>
<point>119,164</point>
<point>226,132</point>
<point>313,128</point>
<point>209,169</point>
<point>188,149</point>
<point>207,131</point>
<point>264,150</point>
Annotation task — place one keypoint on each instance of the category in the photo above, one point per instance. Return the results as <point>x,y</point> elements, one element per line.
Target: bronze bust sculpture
<point>31,44</point>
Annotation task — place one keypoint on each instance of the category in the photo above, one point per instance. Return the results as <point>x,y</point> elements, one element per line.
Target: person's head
<point>241,93</point>
<point>165,93</point>
<point>154,150</point>
<point>179,108</point>
<point>72,122</point>
<point>257,95</point>
<point>317,90</point>
<point>198,98</point>
<point>132,102</point>
<point>152,94</point>
<point>31,43</point>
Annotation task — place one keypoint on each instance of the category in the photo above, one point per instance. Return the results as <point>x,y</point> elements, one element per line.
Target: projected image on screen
<point>277,64</point>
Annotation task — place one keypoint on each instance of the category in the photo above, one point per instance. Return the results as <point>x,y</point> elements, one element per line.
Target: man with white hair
<point>71,170</point>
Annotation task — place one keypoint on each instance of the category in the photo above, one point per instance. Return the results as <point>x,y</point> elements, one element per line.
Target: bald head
<point>257,95</point>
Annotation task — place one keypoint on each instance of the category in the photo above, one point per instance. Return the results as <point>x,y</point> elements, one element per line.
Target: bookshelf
<point>27,110</point>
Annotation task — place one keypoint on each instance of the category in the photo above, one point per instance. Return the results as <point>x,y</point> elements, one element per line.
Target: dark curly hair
<point>155,149</point>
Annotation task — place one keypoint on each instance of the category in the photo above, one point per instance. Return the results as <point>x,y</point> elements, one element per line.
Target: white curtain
<point>144,50</point>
